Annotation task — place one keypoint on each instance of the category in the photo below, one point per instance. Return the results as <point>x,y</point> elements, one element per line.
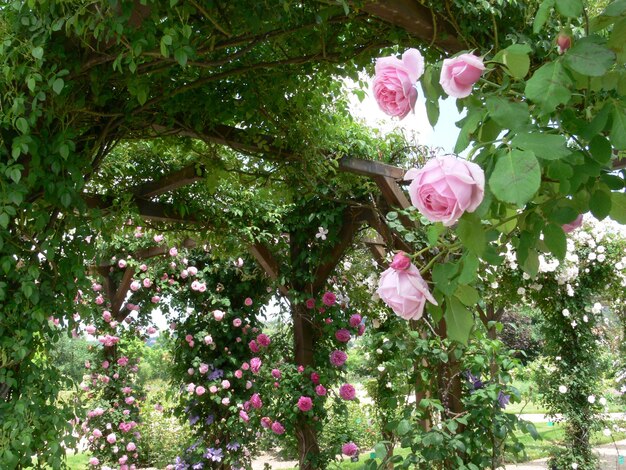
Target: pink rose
<point>320,390</point>
<point>255,401</point>
<point>135,286</point>
<point>255,365</point>
<point>121,263</point>
<point>329,299</point>
<point>315,377</point>
<point>96,287</point>
<point>350,449</point>
<point>173,251</point>
<point>94,461</point>
<point>459,74</point>
<point>244,416</point>
<point>446,187</point>
<point>347,392</point>
<point>266,422</point>
<point>203,369</point>
<point>248,301</point>
<point>90,329</point>
<point>225,401</point>
<point>218,315</point>
<point>338,358</point>
<point>225,384</point>
<point>342,335</point>
<point>213,389</point>
<point>263,340</point>
<point>200,390</point>
<point>130,446</point>
<point>158,238</point>
<point>147,282</point>
<point>238,374</point>
<point>192,270</point>
<point>401,261</point>
<point>394,84</point>
<point>278,428</point>
<point>111,438</point>
<point>254,347</point>
<point>310,303</point>
<point>305,404</point>
<point>143,267</point>
<point>563,42</point>
<point>405,292</point>
<point>99,300</point>
<point>237,322</point>
<point>155,299</point>
<point>106,316</point>
<point>577,222</point>
<point>355,320</point>
<point>208,339</point>
<point>97,433</point>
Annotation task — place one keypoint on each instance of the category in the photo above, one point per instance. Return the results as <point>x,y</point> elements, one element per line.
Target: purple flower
<point>216,374</point>
<point>198,466</point>
<point>209,420</point>
<point>503,399</point>
<point>233,446</point>
<point>214,455</point>
<point>475,381</point>
<point>193,420</point>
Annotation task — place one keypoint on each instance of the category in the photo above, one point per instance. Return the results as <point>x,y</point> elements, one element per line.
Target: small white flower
<point>562,389</point>
<point>558,358</point>
<point>574,324</point>
<point>521,291</point>
<point>565,312</point>
<point>606,432</point>
<point>591,399</point>
<point>321,233</point>
<point>585,318</point>
<point>602,401</point>
<point>494,285</point>
<point>600,249</point>
<point>379,351</point>
<point>601,258</point>
<point>526,276</point>
<point>591,256</point>
<point>574,465</point>
<point>381,368</point>
<point>597,307</point>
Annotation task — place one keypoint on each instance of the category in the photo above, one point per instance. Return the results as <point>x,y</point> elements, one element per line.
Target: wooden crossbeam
<point>148,210</point>
<point>269,264</point>
<point>377,248</point>
<point>370,168</point>
<point>416,19</point>
<point>175,180</point>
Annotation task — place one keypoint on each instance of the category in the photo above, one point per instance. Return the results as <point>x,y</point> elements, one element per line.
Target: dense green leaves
<point>544,146</point>
<point>508,114</point>
<point>516,177</point>
<point>459,320</point>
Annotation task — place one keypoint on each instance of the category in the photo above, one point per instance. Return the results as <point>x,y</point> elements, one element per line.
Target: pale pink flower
<point>446,187</point>
<point>203,369</point>
<point>394,83</point>
<point>158,238</point>
<point>459,74</point>
<point>218,315</point>
<point>200,390</point>
<point>248,301</point>
<point>238,373</point>
<point>147,282</point>
<point>573,225</point>
<point>111,438</point>
<point>135,286</point>
<point>173,251</point>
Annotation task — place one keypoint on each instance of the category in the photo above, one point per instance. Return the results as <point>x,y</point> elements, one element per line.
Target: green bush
<point>350,421</point>
<point>163,437</point>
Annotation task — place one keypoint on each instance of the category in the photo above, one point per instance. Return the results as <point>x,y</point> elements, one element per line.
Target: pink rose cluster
<point>445,188</point>
<point>403,289</point>
<point>396,79</point>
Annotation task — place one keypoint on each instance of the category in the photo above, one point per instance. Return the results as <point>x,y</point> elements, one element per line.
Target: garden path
<point>609,458</point>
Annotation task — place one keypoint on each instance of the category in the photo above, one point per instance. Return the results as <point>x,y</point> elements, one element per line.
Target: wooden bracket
<point>269,264</point>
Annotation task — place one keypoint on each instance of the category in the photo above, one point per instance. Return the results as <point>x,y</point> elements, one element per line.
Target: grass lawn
<point>77,461</point>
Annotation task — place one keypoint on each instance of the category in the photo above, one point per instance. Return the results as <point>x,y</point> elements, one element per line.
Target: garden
<point>210,260</point>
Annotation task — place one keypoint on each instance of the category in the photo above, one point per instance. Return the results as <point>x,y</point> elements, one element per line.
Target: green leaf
<point>471,234</point>
<point>544,146</point>
<point>64,151</point>
<point>433,231</point>
<point>543,13</point>
<point>555,239</point>
<point>404,427</point>
<point>181,57</point>
<point>508,114</point>
<point>516,59</point>
<point>467,294</point>
<point>469,270</point>
<point>589,58</point>
<point>58,85</point>
<point>443,275</point>
<point>618,207</point>
<point>516,177</point>
<point>570,8</point>
<point>4,220</point>
<point>600,203</point>
<point>600,149</point>
<point>22,125</point>
<point>468,125</point>
<point>37,52</point>
<point>459,321</point>
<point>549,87</point>
<point>432,112</point>
<point>618,130</point>
<point>380,450</point>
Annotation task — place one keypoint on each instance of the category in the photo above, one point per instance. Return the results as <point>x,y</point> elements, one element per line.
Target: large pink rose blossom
<point>338,358</point>
<point>394,84</point>
<point>350,449</point>
<point>255,365</point>
<point>329,299</point>
<point>573,225</point>
<point>459,74</point>
<point>405,292</point>
<point>278,428</point>
<point>446,187</point>
<point>305,403</point>
<point>347,392</point>
<point>320,390</point>
<point>255,401</point>
<point>342,335</point>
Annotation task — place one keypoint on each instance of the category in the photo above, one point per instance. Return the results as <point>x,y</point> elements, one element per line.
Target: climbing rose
<point>248,301</point>
<point>342,335</point>
<point>305,403</point>
<point>255,401</point>
<point>459,74</point>
<point>338,358</point>
<point>135,286</point>
<point>255,365</point>
<point>567,228</point>
<point>401,261</point>
<point>394,84</point>
<point>320,390</point>
<point>347,392</point>
<point>355,320</point>
<point>315,377</point>
<point>266,422</point>
<point>310,303</point>
<point>131,446</point>
<point>329,299</point>
<point>350,449</point>
<point>263,340</point>
<point>200,390</point>
<point>446,187</point>
<point>218,315</point>
<point>254,347</point>
<point>405,292</point>
<point>278,428</point>
<point>111,438</point>
<point>94,461</point>
<point>276,373</point>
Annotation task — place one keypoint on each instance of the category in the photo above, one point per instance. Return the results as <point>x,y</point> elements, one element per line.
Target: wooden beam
<point>120,294</point>
<point>377,249</point>
<point>417,20</point>
<point>154,251</point>
<point>370,168</point>
<point>269,264</point>
<point>148,210</point>
<point>175,180</point>
<point>392,192</point>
